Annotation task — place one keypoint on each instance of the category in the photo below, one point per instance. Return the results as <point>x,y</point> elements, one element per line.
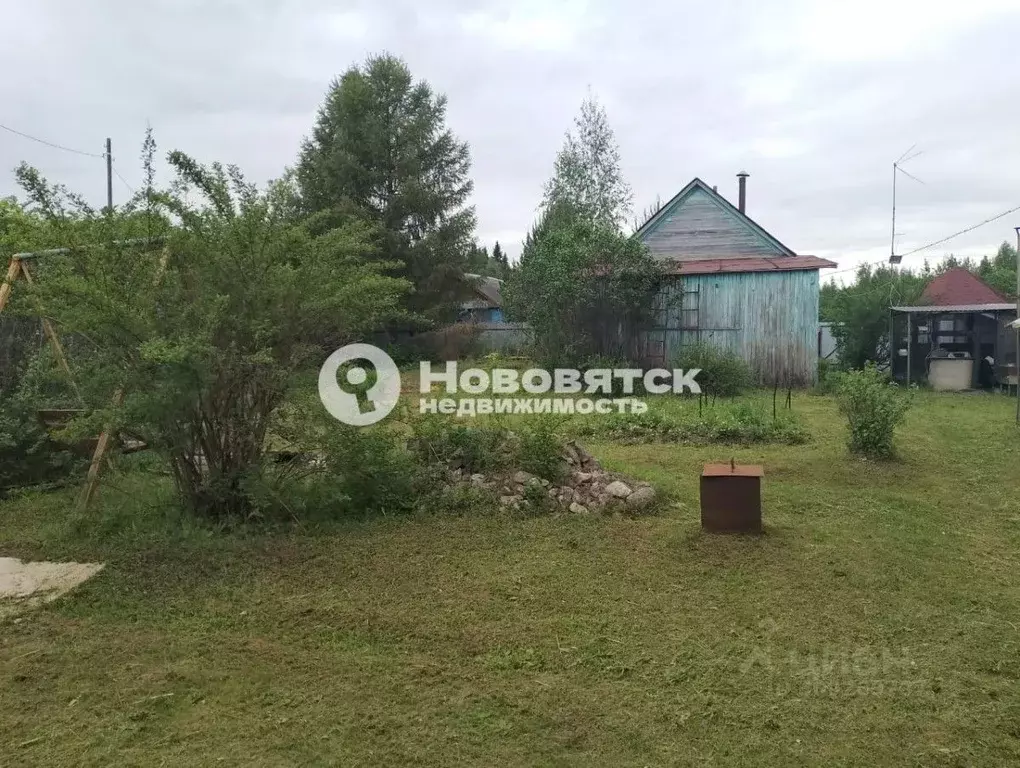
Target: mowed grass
<point>877,622</point>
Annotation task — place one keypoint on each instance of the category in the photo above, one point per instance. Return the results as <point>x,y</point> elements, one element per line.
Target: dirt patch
<point>23,585</point>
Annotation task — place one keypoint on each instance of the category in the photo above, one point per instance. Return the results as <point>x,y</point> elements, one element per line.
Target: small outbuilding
<point>958,338</point>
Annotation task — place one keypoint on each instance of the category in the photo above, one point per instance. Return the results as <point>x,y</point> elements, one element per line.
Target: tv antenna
<point>897,168</point>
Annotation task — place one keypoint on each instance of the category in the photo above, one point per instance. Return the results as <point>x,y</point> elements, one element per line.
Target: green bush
<point>536,500</point>
<point>583,287</point>
<point>874,406</point>
<point>351,473</point>
<point>830,377</point>
<point>28,455</point>
<point>480,447</point>
<point>476,447</point>
<point>722,373</point>
<point>741,423</point>
<point>204,334</point>
<point>540,450</point>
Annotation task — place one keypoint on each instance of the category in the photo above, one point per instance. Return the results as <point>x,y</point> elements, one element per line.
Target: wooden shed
<point>732,284</point>
<point>962,323</point>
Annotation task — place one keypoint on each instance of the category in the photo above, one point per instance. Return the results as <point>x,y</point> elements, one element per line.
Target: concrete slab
<point>25,584</point>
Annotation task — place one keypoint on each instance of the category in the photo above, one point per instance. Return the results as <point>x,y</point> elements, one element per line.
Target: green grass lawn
<point>876,623</point>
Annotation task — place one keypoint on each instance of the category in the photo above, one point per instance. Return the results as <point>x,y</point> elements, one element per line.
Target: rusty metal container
<point>731,498</point>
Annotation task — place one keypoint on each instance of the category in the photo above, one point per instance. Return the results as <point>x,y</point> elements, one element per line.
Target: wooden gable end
<point>699,224</point>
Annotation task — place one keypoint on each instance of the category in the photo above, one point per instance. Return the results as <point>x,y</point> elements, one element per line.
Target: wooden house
<point>734,285</point>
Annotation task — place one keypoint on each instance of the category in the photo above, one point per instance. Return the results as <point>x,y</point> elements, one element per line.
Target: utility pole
<point>109,175</point>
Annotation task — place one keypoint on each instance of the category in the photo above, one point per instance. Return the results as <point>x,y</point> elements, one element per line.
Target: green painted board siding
<point>770,319</point>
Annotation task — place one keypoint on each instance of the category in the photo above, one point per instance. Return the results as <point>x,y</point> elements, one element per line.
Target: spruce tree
<point>380,149</point>
<point>500,258</point>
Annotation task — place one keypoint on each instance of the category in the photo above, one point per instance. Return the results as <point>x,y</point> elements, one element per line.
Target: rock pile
<point>584,486</point>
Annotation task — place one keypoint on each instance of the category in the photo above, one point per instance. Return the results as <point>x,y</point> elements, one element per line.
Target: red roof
<point>960,286</point>
<point>775,264</point>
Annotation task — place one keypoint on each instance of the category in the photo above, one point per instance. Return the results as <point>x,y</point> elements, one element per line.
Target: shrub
<point>536,500</point>
<point>741,423</point>
<point>477,448</point>
<point>481,447</point>
<point>376,474</point>
<point>540,450</point>
<point>874,407</point>
<point>337,471</point>
<point>583,288</point>
<point>722,372</point>
<point>28,455</point>
<point>204,334</point>
<point>830,376</point>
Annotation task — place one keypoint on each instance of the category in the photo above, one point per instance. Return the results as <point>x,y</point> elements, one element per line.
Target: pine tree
<point>587,171</point>
<point>380,150</point>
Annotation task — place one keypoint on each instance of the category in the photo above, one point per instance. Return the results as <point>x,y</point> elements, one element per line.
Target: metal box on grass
<point>731,498</point>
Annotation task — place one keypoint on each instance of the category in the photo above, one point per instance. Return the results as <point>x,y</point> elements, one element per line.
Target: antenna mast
<point>894,258</point>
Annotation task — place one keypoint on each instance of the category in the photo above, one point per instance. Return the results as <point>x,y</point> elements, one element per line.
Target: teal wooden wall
<point>770,319</point>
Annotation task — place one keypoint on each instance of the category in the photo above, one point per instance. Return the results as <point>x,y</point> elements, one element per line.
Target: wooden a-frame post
<point>92,480</point>
<point>16,267</point>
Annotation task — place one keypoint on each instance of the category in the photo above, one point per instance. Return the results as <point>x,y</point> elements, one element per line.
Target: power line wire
<point>963,231</point>
<point>51,144</point>
<point>123,180</point>
<point>929,245</point>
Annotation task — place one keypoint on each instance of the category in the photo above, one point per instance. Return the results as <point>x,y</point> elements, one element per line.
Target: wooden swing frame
<point>18,268</point>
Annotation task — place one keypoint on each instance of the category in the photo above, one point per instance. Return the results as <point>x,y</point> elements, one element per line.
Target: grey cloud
<point>815,114</point>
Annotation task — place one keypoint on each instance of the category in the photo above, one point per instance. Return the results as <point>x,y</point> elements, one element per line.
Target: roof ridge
<point>717,197</point>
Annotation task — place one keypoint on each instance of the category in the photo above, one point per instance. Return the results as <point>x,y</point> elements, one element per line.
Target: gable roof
<point>663,214</point>
<point>959,286</point>
<point>488,292</point>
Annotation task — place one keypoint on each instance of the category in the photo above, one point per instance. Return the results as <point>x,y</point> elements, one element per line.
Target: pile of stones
<point>584,486</point>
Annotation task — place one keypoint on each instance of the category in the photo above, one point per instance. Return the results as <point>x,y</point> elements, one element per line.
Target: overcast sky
<point>814,98</point>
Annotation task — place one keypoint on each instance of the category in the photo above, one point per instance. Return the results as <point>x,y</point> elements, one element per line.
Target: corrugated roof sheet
<point>935,309</point>
<point>959,286</point>
<point>488,289</point>
<point>729,265</point>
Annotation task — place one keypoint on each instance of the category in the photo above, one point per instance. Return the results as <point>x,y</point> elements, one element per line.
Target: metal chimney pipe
<point>742,194</point>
